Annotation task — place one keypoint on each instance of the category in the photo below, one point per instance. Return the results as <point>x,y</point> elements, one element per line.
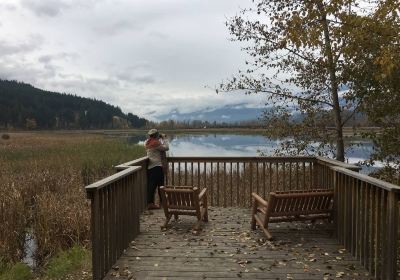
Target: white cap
<point>152,131</point>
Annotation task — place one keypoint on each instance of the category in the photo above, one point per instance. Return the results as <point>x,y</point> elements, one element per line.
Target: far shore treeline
<point>23,106</point>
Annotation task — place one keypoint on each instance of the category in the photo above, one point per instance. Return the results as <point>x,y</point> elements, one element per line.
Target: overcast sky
<point>148,57</point>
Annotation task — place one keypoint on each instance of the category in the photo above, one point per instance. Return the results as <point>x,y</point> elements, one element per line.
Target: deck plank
<point>226,248</point>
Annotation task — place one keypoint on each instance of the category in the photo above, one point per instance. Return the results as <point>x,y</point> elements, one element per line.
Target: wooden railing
<point>231,180</point>
<point>366,220</point>
<point>116,204</point>
<point>366,209</point>
<point>323,173</point>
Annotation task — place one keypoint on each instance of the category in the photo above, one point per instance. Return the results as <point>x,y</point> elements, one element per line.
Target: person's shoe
<point>153,206</point>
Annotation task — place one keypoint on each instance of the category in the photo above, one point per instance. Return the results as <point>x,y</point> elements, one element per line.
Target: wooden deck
<point>227,249</point>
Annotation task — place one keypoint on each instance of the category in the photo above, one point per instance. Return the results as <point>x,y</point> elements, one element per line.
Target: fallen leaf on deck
<point>340,274</point>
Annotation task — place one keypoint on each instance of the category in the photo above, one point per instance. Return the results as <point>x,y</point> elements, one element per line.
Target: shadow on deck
<point>227,249</point>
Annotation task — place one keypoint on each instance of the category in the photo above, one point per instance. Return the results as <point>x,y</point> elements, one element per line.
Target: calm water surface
<point>241,145</point>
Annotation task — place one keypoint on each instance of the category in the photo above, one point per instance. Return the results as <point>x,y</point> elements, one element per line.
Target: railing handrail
<point>238,159</point>
<point>368,179</point>
<point>334,162</point>
<point>111,179</point>
<point>128,164</point>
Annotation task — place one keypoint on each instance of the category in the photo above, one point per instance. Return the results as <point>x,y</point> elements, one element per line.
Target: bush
<point>67,262</point>
<point>18,271</point>
<point>5,136</point>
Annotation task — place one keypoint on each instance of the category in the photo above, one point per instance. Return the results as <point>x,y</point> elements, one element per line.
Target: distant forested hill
<point>23,106</point>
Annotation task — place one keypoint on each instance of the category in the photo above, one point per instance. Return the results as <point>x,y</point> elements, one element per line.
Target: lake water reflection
<point>241,145</point>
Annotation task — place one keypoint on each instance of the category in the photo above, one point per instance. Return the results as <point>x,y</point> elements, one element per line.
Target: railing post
<point>95,219</point>
<point>391,247</point>
<point>335,203</point>
<point>316,174</point>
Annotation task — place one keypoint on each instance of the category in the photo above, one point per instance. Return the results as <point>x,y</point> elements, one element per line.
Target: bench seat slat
<point>294,213</point>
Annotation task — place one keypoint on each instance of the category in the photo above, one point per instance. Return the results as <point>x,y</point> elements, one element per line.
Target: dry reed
<point>42,183</point>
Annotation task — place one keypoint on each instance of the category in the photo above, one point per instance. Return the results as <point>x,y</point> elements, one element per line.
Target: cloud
<point>146,57</point>
<point>49,8</point>
<point>52,8</point>
<point>10,48</point>
<point>8,7</point>
<point>139,73</point>
<point>113,28</point>
<point>49,58</point>
<point>136,78</point>
<point>25,71</point>
<point>158,35</point>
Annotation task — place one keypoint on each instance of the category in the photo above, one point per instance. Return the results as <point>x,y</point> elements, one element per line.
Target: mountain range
<point>226,114</point>
<point>23,106</point>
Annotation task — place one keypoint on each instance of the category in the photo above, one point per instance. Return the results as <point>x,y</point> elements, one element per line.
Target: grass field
<point>42,183</point>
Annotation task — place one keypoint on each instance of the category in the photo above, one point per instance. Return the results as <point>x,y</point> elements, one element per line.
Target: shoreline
<point>347,131</point>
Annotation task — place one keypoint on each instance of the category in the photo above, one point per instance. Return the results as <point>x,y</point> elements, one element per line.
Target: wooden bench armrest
<point>202,193</point>
<point>259,200</point>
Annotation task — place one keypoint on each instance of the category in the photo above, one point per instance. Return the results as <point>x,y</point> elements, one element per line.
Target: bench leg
<point>253,223</point>
<point>197,228</point>
<point>263,226</point>
<point>267,233</point>
<point>253,213</point>
<point>176,217</point>
<point>204,215</point>
<point>167,219</point>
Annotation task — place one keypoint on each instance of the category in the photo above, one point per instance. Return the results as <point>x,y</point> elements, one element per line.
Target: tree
<point>298,50</point>
<point>20,102</point>
<point>374,69</point>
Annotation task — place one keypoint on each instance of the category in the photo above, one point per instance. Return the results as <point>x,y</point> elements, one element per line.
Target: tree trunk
<point>334,86</point>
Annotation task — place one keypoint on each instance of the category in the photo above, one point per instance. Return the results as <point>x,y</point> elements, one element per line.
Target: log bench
<point>284,206</point>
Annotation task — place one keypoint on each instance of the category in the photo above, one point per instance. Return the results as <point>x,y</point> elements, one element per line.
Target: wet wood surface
<point>226,248</point>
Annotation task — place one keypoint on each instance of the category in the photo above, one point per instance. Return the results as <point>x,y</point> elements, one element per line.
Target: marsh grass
<point>42,183</point>
<point>67,262</point>
<point>18,271</point>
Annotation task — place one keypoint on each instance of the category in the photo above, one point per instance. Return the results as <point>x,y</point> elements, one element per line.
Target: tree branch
<point>284,95</point>
<point>349,117</point>
<point>298,97</point>
<point>265,38</point>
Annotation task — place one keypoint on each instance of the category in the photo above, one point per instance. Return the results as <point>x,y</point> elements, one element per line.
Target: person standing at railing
<point>156,146</point>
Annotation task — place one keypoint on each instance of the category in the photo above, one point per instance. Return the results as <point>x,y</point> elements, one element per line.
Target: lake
<point>214,144</point>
